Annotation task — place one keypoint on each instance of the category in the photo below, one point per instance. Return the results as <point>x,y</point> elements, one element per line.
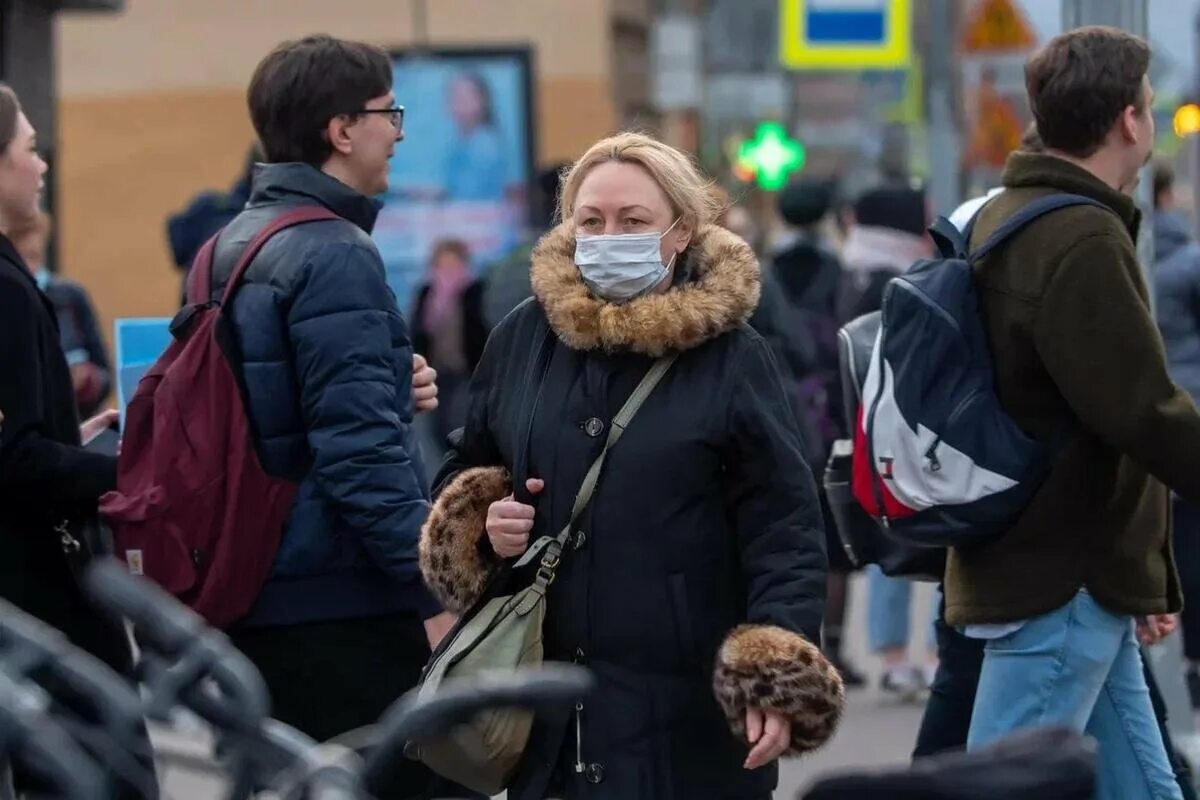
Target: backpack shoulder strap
<point>288,219</point>
<point>1032,211</point>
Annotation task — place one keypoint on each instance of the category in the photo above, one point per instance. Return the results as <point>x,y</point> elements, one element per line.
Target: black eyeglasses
<point>396,113</point>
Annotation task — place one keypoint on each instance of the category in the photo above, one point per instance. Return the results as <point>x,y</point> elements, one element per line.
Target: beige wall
<point>173,44</point>
<point>152,110</point>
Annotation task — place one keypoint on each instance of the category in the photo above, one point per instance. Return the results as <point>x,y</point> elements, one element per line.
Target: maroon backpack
<point>193,509</point>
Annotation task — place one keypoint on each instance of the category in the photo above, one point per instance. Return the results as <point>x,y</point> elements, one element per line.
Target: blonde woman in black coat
<point>695,584</point>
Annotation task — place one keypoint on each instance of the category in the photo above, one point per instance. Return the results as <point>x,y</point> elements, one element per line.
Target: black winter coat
<point>45,476</point>
<point>705,519</point>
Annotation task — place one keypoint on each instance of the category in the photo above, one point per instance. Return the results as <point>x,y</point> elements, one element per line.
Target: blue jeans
<point>888,607</point>
<point>1078,666</point>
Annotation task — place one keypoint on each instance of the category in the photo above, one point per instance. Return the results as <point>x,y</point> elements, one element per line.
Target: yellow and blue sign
<point>845,34</point>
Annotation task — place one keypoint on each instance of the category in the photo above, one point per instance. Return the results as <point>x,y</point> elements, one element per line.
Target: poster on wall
<point>139,341</point>
<point>466,163</point>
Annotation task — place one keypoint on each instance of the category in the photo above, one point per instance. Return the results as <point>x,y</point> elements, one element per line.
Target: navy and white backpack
<point>937,460</point>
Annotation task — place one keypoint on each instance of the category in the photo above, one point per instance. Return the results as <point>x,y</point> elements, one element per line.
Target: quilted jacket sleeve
<point>340,326</point>
<point>772,661</point>
<point>774,500</point>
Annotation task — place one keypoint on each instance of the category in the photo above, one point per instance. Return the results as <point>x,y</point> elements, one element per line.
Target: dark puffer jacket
<point>1177,290</point>
<point>702,563</point>
<point>327,365</point>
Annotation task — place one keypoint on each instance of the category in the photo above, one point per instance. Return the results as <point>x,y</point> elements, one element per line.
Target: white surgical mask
<point>622,266</point>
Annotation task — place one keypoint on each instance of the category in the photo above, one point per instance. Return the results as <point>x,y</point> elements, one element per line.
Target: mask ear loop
<point>669,227</point>
<point>674,255</point>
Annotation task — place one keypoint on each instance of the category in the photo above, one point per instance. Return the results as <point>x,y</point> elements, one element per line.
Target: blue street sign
<point>845,34</point>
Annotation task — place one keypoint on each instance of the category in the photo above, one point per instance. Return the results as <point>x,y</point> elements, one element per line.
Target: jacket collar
<point>720,292</point>
<point>1025,170</point>
<point>293,181</point>
<point>10,256</point>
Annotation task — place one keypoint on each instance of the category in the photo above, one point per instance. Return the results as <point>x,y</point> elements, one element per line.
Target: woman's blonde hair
<point>690,193</point>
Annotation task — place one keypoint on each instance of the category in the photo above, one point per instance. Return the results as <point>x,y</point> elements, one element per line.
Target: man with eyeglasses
<point>344,624</point>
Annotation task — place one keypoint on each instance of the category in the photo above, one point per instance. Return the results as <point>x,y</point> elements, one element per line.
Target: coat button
<point>594,427</point>
<point>594,773</point>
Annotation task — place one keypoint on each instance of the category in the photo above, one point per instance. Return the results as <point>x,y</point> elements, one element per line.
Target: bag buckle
<point>545,576</point>
<point>550,560</point>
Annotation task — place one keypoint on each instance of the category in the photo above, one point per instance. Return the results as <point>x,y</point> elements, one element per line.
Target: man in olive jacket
<point>1063,597</point>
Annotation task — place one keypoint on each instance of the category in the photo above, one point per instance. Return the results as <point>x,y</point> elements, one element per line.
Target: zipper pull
<point>580,767</point>
<point>70,544</point>
<point>934,464</point>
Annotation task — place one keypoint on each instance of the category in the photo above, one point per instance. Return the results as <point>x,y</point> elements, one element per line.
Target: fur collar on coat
<point>721,292</point>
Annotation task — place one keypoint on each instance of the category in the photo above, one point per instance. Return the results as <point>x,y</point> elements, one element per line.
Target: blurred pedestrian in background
<point>1177,290</point>
<point>808,274</point>
<point>887,235</point>
<point>78,330</point>
<point>507,282</point>
<point>207,213</point>
<point>450,331</point>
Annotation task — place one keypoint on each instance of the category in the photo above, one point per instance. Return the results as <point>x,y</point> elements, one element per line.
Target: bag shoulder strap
<point>553,551</point>
<point>535,379</point>
<point>1032,211</point>
<point>288,219</point>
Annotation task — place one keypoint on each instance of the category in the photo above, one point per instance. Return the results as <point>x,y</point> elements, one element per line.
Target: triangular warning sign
<point>998,26</point>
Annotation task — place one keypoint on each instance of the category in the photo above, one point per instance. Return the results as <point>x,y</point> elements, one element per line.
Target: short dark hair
<point>1164,179</point>
<point>1081,82</point>
<point>301,85</point>
<point>10,112</point>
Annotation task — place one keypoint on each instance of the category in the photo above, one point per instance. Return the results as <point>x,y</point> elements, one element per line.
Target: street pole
<point>945,162</point>
<point>1193,141</point>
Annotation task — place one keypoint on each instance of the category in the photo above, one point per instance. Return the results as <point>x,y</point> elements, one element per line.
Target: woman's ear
<point>684,232</point>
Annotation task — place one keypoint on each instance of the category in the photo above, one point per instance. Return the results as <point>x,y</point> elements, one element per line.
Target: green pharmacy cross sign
<point>771,156</point>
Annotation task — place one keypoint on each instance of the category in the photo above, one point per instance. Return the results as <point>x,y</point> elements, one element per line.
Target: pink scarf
<point>445,290</point>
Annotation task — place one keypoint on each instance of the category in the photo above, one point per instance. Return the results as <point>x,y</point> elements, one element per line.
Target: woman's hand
<point>97,424</point>
<point>769,733</point>
<point>509,522</point>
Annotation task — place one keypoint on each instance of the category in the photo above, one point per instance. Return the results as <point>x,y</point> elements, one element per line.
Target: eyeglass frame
<point>396,111</point>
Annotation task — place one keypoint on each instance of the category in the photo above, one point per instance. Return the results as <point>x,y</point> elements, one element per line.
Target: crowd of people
<point>430,445</point>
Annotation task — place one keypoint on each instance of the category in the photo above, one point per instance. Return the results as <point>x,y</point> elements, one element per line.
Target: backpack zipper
<point>931,454</point>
